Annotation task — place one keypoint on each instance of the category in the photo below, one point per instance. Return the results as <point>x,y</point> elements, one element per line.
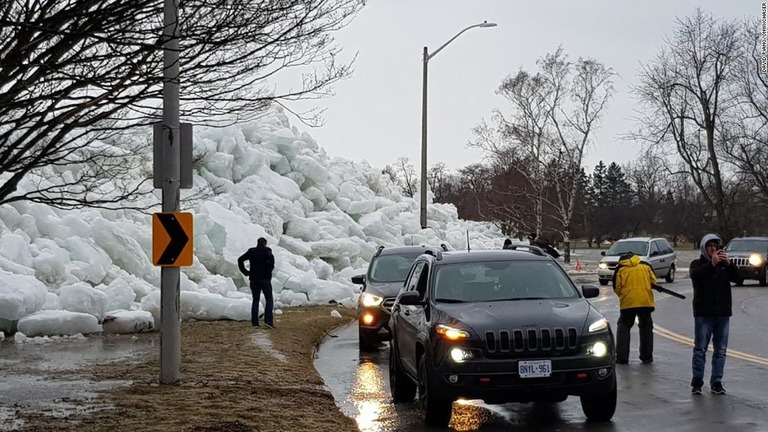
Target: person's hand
<point>715,258</point>
<point>723,257</point>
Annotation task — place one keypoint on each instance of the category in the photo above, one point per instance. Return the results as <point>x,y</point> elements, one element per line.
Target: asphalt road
<point>651,397</point>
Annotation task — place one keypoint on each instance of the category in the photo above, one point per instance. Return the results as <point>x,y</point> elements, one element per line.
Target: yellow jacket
<point>632,283</point>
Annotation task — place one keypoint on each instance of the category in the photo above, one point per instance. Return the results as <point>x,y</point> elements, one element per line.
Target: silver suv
<point>654,251</point>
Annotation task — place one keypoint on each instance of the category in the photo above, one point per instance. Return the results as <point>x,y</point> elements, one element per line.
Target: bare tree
<point>78,72</point>
<point>747,129</point>
<point>686,91</point>
<point>404,174</point>
<point>553,114</point>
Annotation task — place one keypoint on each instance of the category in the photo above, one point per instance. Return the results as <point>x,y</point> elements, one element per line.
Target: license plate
<point>534,368</point>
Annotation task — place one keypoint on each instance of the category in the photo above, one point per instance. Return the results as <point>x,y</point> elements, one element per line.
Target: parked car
<point>750,255</point>
<point>381,283</point>
<point>654,251</point>
<point>502,326</point>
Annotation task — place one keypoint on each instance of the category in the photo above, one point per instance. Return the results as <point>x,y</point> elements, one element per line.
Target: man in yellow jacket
<point>632,282</point>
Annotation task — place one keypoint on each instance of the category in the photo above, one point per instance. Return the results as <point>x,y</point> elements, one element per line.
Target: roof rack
<point>378,251</point>
<point>529,248</point>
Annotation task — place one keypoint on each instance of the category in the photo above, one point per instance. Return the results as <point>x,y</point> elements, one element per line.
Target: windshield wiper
<point>445,300</point>
<point>520,298</point>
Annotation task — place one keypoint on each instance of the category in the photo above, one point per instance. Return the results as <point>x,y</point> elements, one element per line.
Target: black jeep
<point>502,326</point>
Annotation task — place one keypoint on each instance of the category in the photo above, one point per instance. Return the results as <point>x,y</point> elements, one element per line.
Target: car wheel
<point>761,279</point>
<point>436,407</point>
<point>600,407</point>
<point>603,282</point>
<point>368,340</point>
<point>670,277</point>
<point>402,388</point>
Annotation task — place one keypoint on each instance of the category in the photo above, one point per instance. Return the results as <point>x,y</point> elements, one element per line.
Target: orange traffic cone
<point>578,265</point>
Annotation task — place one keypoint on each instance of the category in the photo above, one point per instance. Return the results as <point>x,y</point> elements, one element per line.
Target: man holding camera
<point>711,276</point>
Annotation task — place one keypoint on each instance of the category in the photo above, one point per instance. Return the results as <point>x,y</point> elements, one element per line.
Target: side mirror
<point>590,291</point>
<point>410,298</point>
<point>358,279</point>
<point>602,253</point>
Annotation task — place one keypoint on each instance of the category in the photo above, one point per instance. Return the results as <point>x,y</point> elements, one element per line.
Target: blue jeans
<point>716,329</point>
<point>259,287</point>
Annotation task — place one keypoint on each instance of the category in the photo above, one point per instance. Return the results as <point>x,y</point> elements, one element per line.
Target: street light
<point>427,56</point>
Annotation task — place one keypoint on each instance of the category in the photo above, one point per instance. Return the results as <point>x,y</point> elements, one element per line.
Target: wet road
<point>651,397</point>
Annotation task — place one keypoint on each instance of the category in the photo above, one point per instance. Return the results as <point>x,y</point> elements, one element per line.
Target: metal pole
<point>170,324</point>
<point>423,207</point>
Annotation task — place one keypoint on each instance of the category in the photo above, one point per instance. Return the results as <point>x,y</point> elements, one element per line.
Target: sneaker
<point>647,361</point>
<point>717,388</point>
<point>696,390</point>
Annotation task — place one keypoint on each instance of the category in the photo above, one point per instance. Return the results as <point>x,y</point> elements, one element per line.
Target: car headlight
<point>459,355</point>
<point>451,333</point>
<point>370,300</point>
<point>598,325</point>
<point>602,266</point>
<point>597,349</point>
<point>756,260</point>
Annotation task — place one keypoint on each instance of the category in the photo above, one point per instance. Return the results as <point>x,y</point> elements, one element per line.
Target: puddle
<point>51,378</point>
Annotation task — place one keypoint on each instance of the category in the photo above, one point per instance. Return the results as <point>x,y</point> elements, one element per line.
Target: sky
<point>376,114</point>
<point>68,273</point>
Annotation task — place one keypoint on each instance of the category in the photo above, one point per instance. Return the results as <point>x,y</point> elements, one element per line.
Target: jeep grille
<point>743,262</point>
<point>531,342</point>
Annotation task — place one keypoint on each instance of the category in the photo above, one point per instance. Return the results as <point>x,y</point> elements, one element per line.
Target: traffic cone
<point>578,265</point>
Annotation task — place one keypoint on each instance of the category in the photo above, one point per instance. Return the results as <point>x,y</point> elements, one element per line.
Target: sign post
<point>170,322</point>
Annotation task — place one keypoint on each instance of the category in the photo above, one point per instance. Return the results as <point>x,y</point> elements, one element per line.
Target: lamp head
<point>487,24</point>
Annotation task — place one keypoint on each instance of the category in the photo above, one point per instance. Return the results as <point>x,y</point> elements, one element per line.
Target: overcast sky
<point>376,114</point>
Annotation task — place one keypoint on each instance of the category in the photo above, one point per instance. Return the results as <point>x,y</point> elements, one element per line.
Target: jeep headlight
<point>602,266</point>
<point>597,349</point>
<point>451,333</point>
<point>599,325</point>
<point>370,300</point>
<point>756,260</point>
<point>459,355</point>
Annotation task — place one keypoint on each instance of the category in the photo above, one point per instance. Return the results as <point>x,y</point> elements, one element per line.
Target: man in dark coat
<point>262,262</point>
<point>711,276</point>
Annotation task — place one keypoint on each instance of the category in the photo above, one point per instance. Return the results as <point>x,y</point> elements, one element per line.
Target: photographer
<point>711,276</point>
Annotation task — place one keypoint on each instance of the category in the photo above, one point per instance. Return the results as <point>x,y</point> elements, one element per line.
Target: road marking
<point>661,331</point>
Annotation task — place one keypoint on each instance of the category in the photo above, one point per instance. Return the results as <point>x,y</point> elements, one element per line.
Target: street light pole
<point>427,57</point>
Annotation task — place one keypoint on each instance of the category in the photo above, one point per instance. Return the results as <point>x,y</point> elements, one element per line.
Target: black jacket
<point>712,287</point>
<point>261,260</point>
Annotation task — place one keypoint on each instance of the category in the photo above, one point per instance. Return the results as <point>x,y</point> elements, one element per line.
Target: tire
<point>603,282</point>
<point>600,407</point>
<point>368,340</point>
<point>670,277</point>
<point>436,407</point>
<point>761,278</point>
<point>402,388</point>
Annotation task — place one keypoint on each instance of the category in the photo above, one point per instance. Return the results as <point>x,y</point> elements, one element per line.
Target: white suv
<point>654,251</point>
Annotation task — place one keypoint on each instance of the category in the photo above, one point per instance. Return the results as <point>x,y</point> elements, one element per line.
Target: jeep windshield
<point>392,268</point>
<point>621,247</point>
<point>747,246</point>
<point>501,281</point>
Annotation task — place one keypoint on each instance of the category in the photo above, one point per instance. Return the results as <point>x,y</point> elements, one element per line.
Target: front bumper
<point>497,381</point>
<point>606,273</point>
<point>750,272</point>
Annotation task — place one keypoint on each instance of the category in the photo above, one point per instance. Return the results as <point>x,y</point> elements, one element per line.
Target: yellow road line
<point>661,331</point>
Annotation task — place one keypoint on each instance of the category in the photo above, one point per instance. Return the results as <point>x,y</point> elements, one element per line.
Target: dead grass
<point>231,380</point>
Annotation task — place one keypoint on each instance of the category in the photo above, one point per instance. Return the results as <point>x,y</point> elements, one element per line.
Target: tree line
<point>701,134</point>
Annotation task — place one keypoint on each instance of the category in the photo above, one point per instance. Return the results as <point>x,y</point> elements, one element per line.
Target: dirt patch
<point>233,378</point>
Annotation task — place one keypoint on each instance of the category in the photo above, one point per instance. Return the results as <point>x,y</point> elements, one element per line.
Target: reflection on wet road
<point>364,395</point>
